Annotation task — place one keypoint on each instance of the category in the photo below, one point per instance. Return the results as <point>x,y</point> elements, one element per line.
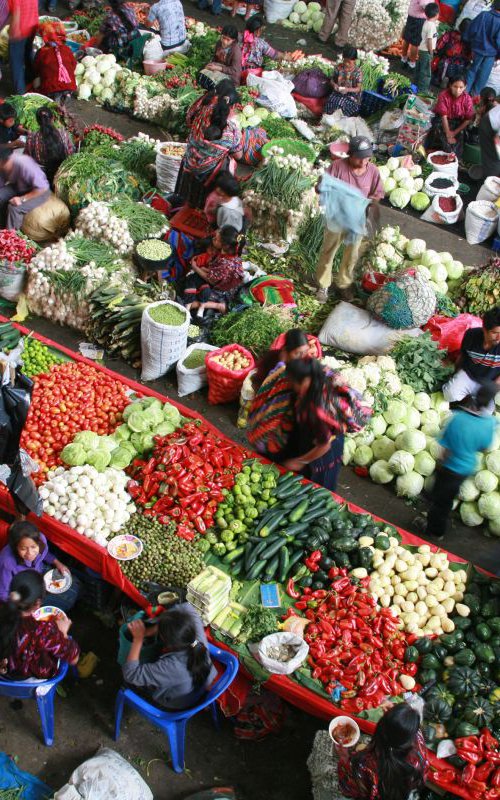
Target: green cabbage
<point>121,458</point>
<point>420,201</point>
<point>389,185</point>
<point>378,425</point>
<point>455,270</point>
<point>470,515</point>
<point>127,445</point>
<point>127,411</point>
<point>412,441</point>
<point>485,481</point>
<point>99,459</point>
<point>395,411</point>
<point>107,443</point>
<point>430,430</point>
<point>407,394</point>
<point>488,505</point>
<point>422,401</point>
<point>172,414</point>
<point>138,422</point>
<point>363,455</point>
<point>401,462</point>
<point>435,449</point>
<point>409,485</point>
<point>365,437</point>
<point>383,448</point>
<point>147,442</point>
<point>429,258</point>
<point>468,490</point>
<point>393,431</point>
<point>431,417</point>
<point>349,449</point>
<point>492,461</point>
<point>424,463</point>
<point>380,472</point>
<point>413,418</point>
<point>439,403</point>
<point>122,433</point>
<point>136,440</point>
<point>88,440</point>
<point>74,455</point>
<point>439,273</point>
<point>399,198</point>
<point>164,428</point>
<point>494,527</point>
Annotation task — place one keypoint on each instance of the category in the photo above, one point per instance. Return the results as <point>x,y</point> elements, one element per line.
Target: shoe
<point>412,64</point>
<point>322,295</point>
<point>323,41</point>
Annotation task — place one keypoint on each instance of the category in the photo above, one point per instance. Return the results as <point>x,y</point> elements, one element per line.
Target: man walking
<point>341,11</point>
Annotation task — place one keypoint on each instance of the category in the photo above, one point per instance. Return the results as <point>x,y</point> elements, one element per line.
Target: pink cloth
<point>454,107</point>
<point>369,184</point>
<point>416,8</point>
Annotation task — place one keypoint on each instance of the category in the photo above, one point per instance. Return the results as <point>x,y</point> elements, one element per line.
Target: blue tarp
<point>11,777</point>
<point>344,207</point>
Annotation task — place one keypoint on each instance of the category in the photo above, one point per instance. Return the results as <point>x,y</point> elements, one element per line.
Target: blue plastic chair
<point>21,690</point>
<point>173,723</point>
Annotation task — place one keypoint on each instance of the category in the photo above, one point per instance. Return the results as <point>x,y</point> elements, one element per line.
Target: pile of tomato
<point>72,397</point>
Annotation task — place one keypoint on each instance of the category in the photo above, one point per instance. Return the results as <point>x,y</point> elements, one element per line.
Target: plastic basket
<point>190,221</point>
<point>371,102</point>
<point>148,265</point>
<point>291,148</point>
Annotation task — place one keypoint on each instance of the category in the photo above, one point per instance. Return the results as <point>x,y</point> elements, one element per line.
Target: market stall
<point>98,558</point>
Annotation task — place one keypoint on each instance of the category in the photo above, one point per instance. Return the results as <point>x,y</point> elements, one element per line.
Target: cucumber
<point>312,514</point>
<point>293,530</point>
<point>299,512</point>
<point>295,556</point>
<point>255,554</point>
<point>269,523</point>
<point>257,569</point>
<point>284,563</point>
<point>271,569</point>
<point>271,550</point>
<point>294,501</point>
<point>234,555</point>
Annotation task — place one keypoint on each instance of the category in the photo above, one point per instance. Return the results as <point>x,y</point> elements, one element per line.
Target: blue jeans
<point>21,62</point>
<point>66,600</point>
<point>478,73</point>
<point>216,6</point>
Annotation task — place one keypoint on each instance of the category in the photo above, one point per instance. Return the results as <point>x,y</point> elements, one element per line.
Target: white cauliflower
<point>389,234</point>
<point>332,362</point>
<point>355,378</point>
<point>386,363</point>
<point>385,250</point>
<point>372,374</point>
<point>392,383</point>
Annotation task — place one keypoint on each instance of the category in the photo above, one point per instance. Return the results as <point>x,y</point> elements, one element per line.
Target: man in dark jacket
<point>483,35</point>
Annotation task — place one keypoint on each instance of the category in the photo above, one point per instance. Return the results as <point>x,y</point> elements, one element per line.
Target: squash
<point>479,712</point>
<point>437,710</point>
<point>464,681</point>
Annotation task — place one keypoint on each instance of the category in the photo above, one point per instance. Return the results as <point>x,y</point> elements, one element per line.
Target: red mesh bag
<point>315,350</point>
<point>224,385</point>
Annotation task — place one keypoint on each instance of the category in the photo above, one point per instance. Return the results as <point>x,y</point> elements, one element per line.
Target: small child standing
<point>426,48</point>
<point>412,34</point>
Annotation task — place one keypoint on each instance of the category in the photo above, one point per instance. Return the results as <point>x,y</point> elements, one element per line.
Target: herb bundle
<point>419,363</point>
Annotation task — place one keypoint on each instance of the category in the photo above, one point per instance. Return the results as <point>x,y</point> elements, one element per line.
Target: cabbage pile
<point>308,15</point>
<point>96,76</point>
<point>404,185</point>
<point>251,117</point>
<point>391,251</point>
<point>143,420</point>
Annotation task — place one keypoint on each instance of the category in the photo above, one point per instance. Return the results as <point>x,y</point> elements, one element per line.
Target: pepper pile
<point>184,478</point>
<point>354,644</point>
<point>71,397</point>
<point>15,247</point>
<point>481,775</point>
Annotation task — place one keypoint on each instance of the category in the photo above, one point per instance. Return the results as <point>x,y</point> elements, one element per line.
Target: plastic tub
<point>152,67</point>
<point>341,720</point>
<point>147,264</point>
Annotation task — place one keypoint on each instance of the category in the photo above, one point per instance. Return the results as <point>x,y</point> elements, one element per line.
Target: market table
<point>97,558</point>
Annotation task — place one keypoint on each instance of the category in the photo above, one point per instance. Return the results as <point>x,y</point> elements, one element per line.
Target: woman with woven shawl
<point>214,141</point>
<point>325,409</point>
<point>55,63</point>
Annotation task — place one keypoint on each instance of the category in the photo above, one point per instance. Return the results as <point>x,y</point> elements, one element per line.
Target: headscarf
<point>53,34</point>
<point>246,49</point>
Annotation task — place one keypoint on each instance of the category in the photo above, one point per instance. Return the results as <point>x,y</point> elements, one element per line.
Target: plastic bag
<point>190,380</point>
<point>11,777</point>
<point>247,396</point>
<point>224,385</point>
<point>106,776</point>
<point>356,331</point>
<point>490,190</point>
<point>161,345</point>
<point>16,401</point>
<point>312,83</point>
<point>275,10</point>
<point>449,332</point>
<point>12,277</point>
<point>260,652</point>
<point>153,51</point>
<point>275,92</point>
<point>24,491</point>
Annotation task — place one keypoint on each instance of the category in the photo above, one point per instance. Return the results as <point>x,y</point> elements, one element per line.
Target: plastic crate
<point>190,221</point>
<point>371,102</point>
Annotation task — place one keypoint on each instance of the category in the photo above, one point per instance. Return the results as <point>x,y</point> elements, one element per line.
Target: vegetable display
<point>479,289</point>
<point>37,357</point>
<point>403,184</point>
<point>16,248</point>
<point>256,328</point>
<point>419,361</point>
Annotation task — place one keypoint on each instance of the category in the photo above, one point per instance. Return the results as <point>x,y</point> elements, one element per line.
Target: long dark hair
<point>20,530</point>
<point>54,146</point>
<point>177,632</point>
<point>294,338</point>
<point>297,371</point>
<point>226,99</point>
<point>392,742</point>
<point>117,7</point>
<point>26,588</point>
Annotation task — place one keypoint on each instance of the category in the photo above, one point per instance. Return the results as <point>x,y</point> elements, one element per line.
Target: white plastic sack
<point>190,380</point>
<point>391,120</point>
<point>448,191</point>
<point>167,167</point>
<point>355,330</point>
<point>275,92</point>
<point>481,219</point>
<point>161,345</point>
<point>106,776</point>
<point>260,650</point>
<point>490,190</point>
<point>153,51</point>
<point>471,10</point>
<point>436,214</point>
<point>451,168</point>
<point>12,278</point>
<point>276,10</point>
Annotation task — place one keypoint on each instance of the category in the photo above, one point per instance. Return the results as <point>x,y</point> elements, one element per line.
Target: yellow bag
<point>47,222</point>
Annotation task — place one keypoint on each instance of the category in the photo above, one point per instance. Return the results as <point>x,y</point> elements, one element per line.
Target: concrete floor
<point>274,769</point>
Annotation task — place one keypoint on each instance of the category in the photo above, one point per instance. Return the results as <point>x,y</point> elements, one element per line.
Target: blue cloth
<point>479,73</point>
<point>11,777</point>
<point>483,34</point>
<point>464,436</point>
<point>216,6</point>
<point>344,208</point>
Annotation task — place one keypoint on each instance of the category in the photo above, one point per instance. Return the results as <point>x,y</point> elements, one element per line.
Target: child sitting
<point>223,206</point>
<point>216,274</point>
<point>426,49</point>
<point>183,673</point>
<point>346,84</point>
<point>10,131</point>
<point>31,648</point>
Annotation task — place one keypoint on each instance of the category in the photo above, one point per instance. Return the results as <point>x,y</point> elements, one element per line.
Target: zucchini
<point>234,555</point>
<point>299,512</point>
<point>254,553</point>
<point>313,514</point>
<point>271,569</point>
<point>271,526</point>
<point>271,550</point>
<point>294,557</point>
<point>284,563</point>
<point>256,570</point>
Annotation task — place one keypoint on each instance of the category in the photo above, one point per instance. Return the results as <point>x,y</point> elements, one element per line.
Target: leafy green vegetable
<point>420,362</point>
<point>256,328</point>
<point>257,623</point>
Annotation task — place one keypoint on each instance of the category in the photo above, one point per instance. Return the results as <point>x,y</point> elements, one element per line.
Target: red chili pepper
<point>471,756</point>
<point>484,771</point>
<point>200,525</point>
<point>301,605</point>
<point>493,794</point>
<point>493,757</point>
<point>495,779</point>
<point>291,590</point>
<point>468,774</point>
<point>487,741</point>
